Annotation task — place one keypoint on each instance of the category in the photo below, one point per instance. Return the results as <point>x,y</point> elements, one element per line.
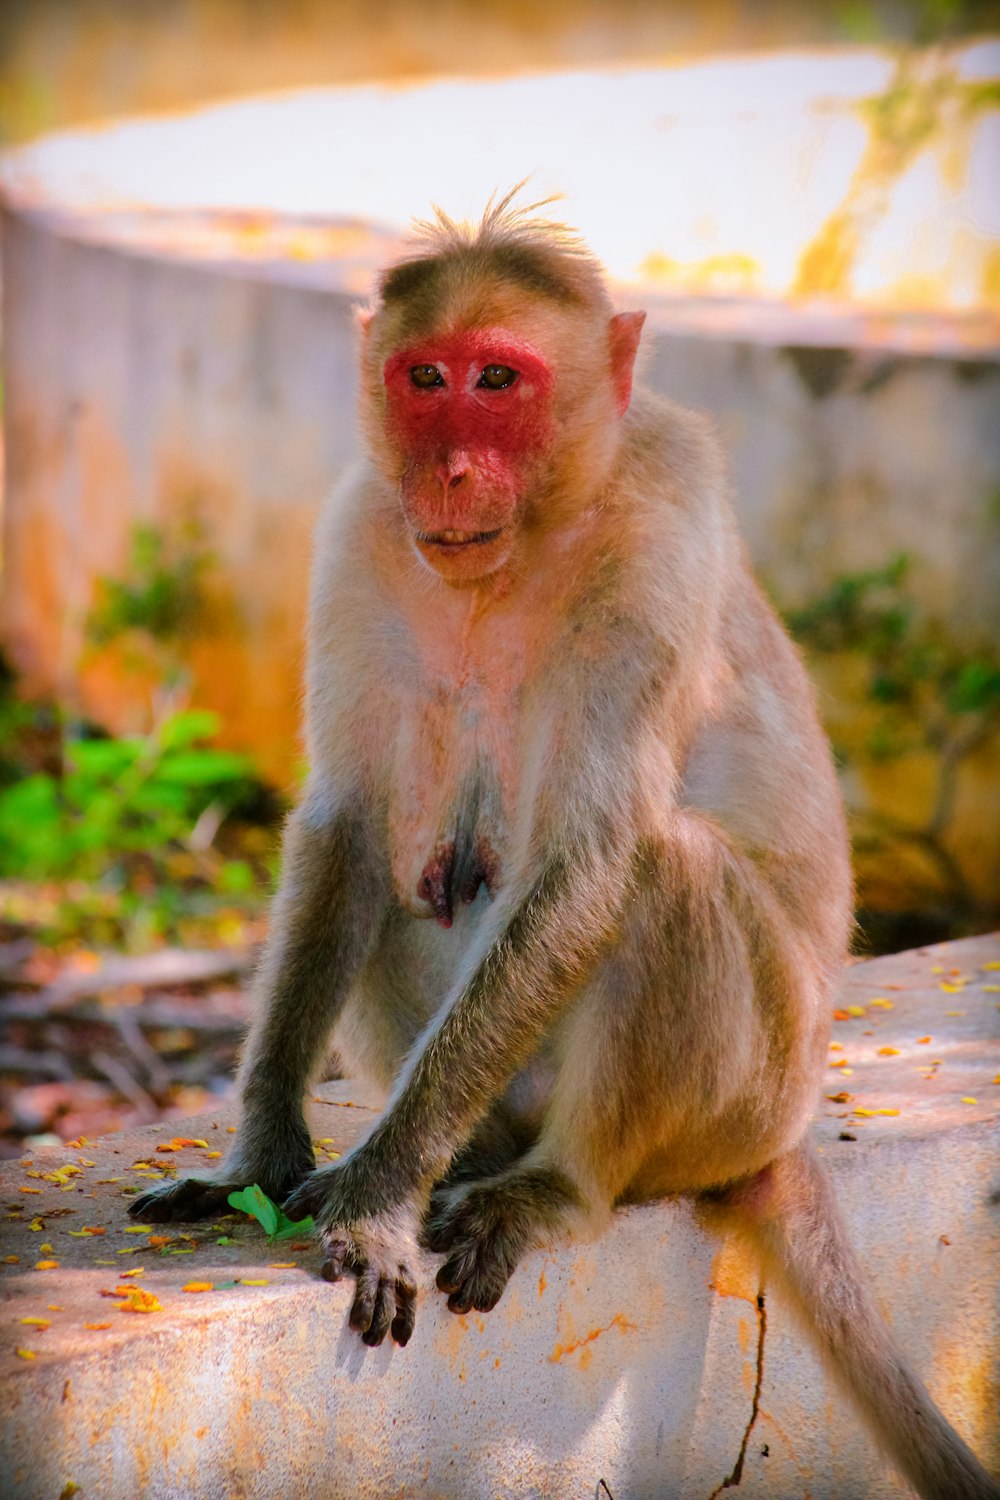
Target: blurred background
<point>195,195</point>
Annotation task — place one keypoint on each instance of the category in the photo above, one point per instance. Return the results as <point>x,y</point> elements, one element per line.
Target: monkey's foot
<point>377,1250</point>
<point>188,1199</point>
<point>487,1226</point>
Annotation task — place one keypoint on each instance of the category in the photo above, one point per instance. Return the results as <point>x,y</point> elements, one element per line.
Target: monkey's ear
<point>623,336</point>
<point>363,318</point>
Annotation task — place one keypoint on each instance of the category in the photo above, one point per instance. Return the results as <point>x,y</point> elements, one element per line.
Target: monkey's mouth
<point>455,539</point>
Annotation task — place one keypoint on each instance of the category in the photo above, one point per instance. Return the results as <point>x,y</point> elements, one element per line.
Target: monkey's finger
<point>458,1269</point>
<point>487,1291</point>
<point>460,1301</point>
<point>335,1252</point>
<point>385,1307</point>
<point>363,1308</point>
<point>406,1307</point>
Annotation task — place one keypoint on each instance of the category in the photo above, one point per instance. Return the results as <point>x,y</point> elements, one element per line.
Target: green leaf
<point>289,1228</point>
<point>278,1226</point>
<point>255,1202</point>
<point>976,687</point>
<point>186,728</point>
<point>236,877</point>
<point>202,767</point>
<point>103,759</point>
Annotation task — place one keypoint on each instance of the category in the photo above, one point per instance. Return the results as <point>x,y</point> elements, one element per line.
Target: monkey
<point>569,879</point>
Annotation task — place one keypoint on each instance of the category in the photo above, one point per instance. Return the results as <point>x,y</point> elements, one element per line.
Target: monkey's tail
<point>793,1221</point>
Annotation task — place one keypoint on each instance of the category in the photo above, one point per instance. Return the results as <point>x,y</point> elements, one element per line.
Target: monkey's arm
<point>324,918</point>
<point>366,1205</point>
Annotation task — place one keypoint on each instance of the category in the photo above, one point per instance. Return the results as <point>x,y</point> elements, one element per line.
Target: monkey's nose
<point>451,474</point>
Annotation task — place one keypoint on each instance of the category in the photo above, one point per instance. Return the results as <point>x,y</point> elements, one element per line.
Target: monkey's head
<point>495,378</point>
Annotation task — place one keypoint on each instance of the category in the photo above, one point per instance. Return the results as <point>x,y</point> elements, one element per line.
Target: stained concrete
<point>631,1361</point>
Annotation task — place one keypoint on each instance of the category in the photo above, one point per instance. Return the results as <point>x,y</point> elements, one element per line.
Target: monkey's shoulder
<point>673,456</point>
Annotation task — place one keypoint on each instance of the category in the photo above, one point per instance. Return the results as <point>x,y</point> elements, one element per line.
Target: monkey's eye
<point>426,376</point>
<point>497,377</point>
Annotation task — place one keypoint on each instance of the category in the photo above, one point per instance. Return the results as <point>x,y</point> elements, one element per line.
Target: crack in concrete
<point>618,1321</point>
<point>737,1474</point>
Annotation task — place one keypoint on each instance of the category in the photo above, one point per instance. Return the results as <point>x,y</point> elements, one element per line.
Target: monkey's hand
<point>275,1165</point>
<point>378,1248</point>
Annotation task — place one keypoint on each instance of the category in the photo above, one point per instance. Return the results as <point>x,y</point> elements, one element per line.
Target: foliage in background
<point>926,694</point>
<point>153,613</point>
<point>925,92</point>
<point>116,798</point>
<point>139,838</point>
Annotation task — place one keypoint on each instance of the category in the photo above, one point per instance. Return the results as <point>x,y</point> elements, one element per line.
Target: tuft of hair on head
<point>503,222</point>
<point>510,243</point>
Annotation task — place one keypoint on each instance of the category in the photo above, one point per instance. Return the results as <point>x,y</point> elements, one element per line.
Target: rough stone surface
<point>631,1360</point>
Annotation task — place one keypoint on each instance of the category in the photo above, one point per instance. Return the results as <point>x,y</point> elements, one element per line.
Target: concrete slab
<point>624,1367</point>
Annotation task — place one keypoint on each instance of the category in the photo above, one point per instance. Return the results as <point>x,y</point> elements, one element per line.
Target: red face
<point>471,412</point>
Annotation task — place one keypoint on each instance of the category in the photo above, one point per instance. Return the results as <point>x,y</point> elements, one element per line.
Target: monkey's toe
<point>439,1228</point>
<point>474,1277</point>
<point>186,1201</point>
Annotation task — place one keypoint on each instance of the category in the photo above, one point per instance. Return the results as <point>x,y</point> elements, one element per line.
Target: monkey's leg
<point>367,1205</point>
<point>789,1215</point>
<point>538,968</point>
<point>323,920</point>
<point>655,1052</point>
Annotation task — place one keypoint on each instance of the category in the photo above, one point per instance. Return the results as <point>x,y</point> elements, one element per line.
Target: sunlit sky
<point>709,177</point>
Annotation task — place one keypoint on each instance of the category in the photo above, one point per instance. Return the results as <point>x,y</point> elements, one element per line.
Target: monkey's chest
<point>451,783</point>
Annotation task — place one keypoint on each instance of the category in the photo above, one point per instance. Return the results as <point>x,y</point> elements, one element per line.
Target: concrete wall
<point>141,389</point>
<point>146,386</point>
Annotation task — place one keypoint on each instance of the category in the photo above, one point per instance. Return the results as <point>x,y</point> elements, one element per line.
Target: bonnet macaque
<point>569,880</point>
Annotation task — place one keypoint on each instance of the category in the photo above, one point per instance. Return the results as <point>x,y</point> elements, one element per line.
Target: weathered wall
<point>842,459</point>
<point>146,388</point>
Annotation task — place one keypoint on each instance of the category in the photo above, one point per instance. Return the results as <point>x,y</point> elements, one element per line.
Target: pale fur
<point>641,1004</point>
